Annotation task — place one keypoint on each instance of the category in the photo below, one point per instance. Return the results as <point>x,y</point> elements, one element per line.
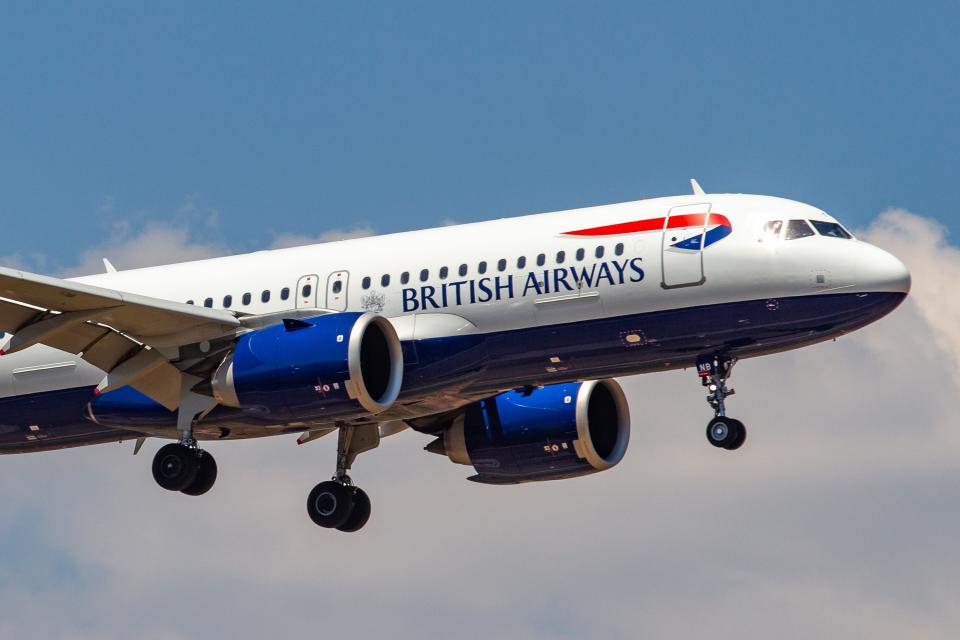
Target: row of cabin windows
<point>444,272</point>
<point>247,298</point>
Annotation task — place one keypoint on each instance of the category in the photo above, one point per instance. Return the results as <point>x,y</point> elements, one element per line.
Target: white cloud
<point>923,246</point>
<point>836,519</point>
<point>154,244</point>
<point>284,240</point>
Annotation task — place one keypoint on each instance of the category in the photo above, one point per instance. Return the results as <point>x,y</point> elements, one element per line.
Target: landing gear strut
<point>723,431</point>
<point>182,466</point>
<point>337,503</point>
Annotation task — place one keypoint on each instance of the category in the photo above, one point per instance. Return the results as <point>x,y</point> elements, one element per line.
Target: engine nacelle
<point>554,432</point>
<point>335,365</point>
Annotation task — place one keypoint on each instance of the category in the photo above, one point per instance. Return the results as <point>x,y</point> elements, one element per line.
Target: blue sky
<point>243,122</point>
<point>178,130</point>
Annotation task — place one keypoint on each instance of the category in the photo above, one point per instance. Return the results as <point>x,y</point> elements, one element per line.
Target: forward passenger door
<point>682,245</point>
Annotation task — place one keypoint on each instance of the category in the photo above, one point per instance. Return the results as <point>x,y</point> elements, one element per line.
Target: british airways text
<point>506,287</point>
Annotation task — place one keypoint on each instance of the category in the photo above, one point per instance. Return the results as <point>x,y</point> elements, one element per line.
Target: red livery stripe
<point>652,224</point>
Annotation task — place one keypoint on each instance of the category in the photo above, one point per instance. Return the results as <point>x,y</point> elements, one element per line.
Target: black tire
<point>175,466</point>
<point>725,433</point>
<point>206,476</point>
<point>741,436</point>
<point>330,504</point>
<point>359,514</point>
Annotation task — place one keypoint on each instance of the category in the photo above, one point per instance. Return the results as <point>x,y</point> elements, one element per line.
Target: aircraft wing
<point>124,334</point>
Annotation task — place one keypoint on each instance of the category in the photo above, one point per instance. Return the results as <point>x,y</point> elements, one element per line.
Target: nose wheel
<point>726,433</point>
<point>723,431</point>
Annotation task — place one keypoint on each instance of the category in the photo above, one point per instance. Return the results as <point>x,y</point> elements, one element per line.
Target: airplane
<point>500,340</point>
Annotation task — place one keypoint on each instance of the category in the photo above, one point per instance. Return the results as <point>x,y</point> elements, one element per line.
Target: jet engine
<point>341,364</point>
<point>548,433</point>
<point>328,367</point>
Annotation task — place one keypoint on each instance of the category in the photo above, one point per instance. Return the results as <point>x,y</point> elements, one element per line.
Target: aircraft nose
<point>879,270</point>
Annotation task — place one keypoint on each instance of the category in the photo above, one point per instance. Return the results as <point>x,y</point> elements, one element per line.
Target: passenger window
<point>599,252</point>
<point>830,229</point>
<point>618,249</point>
<point>462,270</point>
<point>580,254</point>
<point>771,230</point>
<point>385,280</point>
<point>337,288</point>
<point>284,293</point>
<point>482,267</point>
<point>541,260</point>
<point>208,302</point>
<point>365,283</point>
<point>265,296</point>
<point>306,291</point>
<point>444,272</point>
<point>405,277</point>
<point>424,274</point>
<point>246,298</point>
<point>797,229</point>
<point>501,265</point>
<point>561,256</point>
<point>521,262</point>
<point>188,302</point>
<point>227,301</point>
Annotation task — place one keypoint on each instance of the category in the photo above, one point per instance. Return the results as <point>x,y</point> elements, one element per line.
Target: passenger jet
<point>499,339</point>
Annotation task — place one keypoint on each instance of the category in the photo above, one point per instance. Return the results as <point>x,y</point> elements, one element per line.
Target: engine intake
<point>554,432</point>
<point>334,365</point>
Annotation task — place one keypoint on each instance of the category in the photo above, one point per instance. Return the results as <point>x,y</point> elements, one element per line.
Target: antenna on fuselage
<point>697,189</point>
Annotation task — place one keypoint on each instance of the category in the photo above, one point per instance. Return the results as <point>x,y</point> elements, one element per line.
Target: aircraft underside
<point>602,348</point>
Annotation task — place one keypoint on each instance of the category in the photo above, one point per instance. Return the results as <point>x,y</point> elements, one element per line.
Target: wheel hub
<point>171,466</point>
<point>720,431</point>
<point>326,503</point>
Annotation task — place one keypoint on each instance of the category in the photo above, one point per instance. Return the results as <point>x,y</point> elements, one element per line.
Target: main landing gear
<point>337,503</point>
<point>182,466</point>
<point>185,468</point>
<point>723,431</point>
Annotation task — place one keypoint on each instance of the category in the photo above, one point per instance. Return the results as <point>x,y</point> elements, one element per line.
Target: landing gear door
<point>682,248</point>
<point>307,292</point>
<point>337,291</point>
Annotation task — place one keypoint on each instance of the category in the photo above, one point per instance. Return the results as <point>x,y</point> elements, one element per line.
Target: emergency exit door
<point>307,292</point>
<point>682,248</point>
<point>337,291</point>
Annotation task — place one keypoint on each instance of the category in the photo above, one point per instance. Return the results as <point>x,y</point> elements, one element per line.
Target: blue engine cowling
<point>335,365</point>
<point>550,433</point>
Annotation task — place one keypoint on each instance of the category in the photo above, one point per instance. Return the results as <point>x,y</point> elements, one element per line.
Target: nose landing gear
<point>723,431</point>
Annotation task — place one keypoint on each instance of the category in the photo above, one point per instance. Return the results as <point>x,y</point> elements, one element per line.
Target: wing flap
<point>110,349</point>
<point>76,338</point>
<point>125,335</point>
<point>134,314</point>
<point>14,315</point>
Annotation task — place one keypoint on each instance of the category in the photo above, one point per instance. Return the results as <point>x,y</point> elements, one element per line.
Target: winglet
<point>108,266</point>
<point>697,189</point>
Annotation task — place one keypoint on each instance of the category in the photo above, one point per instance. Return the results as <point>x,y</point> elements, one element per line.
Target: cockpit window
<point>797,229</point>
<point>830,229</point>
<point>771,230</point>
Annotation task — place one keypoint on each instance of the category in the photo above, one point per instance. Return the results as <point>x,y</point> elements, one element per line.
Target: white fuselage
<point>516,274</point>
